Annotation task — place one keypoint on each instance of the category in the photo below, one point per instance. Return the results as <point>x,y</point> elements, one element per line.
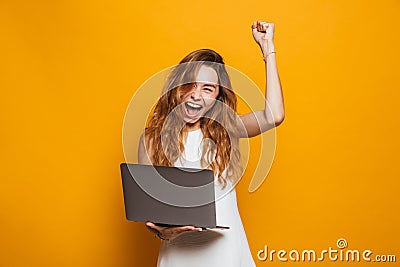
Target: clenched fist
<point>263,33</point>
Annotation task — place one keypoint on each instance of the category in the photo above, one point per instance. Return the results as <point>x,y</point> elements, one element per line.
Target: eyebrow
<point>210,84</point>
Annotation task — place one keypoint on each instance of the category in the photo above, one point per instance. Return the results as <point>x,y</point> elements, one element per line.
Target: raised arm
<point>273,114</point>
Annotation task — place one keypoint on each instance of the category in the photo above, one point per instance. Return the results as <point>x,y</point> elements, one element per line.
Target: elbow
<point>279,119</point>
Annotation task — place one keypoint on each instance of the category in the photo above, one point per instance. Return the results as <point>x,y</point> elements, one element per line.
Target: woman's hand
<point>263,33</point>
<point>169,233</point>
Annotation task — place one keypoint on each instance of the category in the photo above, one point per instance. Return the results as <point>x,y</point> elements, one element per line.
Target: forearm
<point>273,89</point>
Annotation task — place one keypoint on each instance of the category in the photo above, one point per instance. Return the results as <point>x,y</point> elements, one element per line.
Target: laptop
<point>169,196</point>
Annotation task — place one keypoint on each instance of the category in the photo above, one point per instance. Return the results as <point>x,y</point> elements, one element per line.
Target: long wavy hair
<point>165,140</point>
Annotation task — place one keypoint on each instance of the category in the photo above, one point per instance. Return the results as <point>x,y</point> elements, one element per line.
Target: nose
<point>196,92</point>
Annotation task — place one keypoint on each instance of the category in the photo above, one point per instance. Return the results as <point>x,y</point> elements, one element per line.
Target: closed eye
<point>210,87</point>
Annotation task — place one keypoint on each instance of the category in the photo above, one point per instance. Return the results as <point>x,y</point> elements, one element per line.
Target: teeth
<point>193,105</point>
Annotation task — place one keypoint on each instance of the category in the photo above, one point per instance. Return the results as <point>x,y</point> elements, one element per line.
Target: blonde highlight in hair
<point>219,124</point>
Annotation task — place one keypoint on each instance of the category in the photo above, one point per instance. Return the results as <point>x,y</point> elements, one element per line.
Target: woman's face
<point>202,95</point>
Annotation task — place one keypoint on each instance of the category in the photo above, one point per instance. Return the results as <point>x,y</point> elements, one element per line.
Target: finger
<point>153,226</point>
<point>185,228</point>
<point>150,224</point>
<point>190,228</point>
<point>257,26</point>
<point>181,229</point>
<point>263,26</point>
<point>176,231</point>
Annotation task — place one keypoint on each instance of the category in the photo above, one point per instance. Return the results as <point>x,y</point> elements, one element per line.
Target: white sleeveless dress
<point>210,248</point>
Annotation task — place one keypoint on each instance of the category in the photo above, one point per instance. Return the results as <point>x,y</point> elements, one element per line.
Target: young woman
<point>198,105</point>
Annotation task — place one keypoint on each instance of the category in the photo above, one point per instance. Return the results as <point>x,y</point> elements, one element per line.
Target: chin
<point>191,121</point>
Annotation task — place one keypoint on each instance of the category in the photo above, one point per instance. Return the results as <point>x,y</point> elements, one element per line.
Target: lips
<point>192,109</point>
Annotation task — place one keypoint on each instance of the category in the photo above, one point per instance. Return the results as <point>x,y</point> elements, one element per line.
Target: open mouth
<point>192,109</point>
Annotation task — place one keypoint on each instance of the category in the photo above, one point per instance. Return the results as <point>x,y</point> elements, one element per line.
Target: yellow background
<point>70,68</point>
